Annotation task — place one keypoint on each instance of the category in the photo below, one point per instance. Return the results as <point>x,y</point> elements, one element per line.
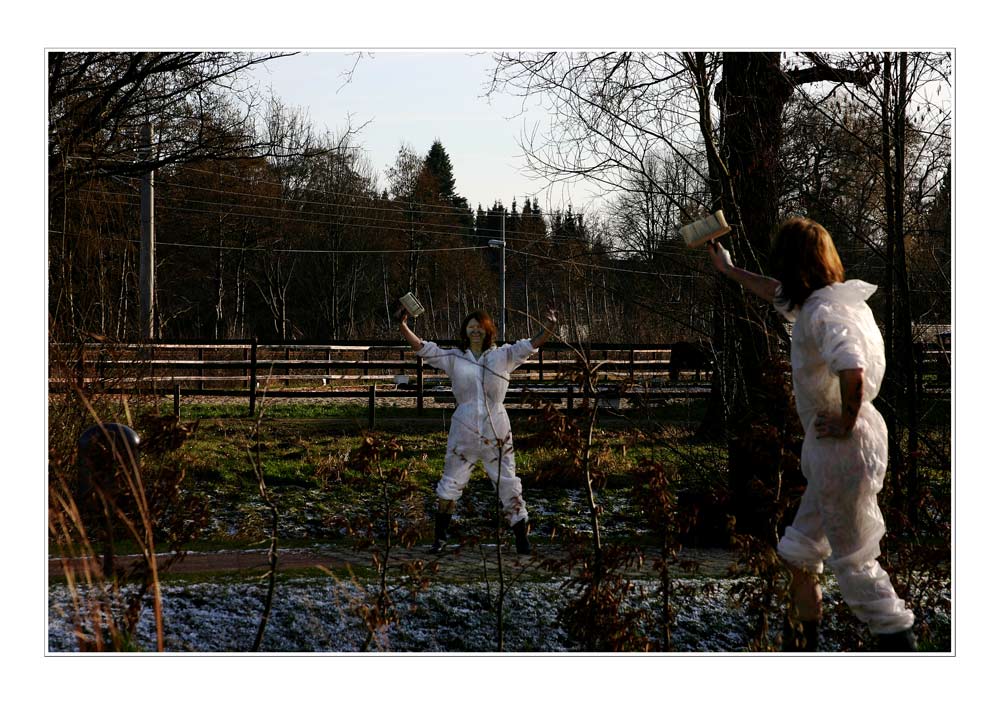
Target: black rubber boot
<point>896,642</point>
<point>520,530</point>
<point>800,636</point>
<point>441,522</point>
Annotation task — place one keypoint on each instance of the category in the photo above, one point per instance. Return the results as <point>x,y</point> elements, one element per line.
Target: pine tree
<point>437,166</point>
<point>438,163</point>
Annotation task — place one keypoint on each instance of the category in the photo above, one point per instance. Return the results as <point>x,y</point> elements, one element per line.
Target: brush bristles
<point>412,306</point>
<point>701,231</point>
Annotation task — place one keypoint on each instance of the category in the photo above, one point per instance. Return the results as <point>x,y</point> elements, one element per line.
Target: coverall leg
<point>839,519</point>
<point>458,465</point>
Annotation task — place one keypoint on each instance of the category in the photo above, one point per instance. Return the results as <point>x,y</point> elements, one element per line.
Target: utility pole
<point>503,276</point>
<point>147,244</point>
<point>502,244</point>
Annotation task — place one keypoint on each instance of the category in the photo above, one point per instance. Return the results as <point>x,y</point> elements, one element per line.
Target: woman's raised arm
<point>542,336</point>
<point>415,342</point>
<point>762,286</point>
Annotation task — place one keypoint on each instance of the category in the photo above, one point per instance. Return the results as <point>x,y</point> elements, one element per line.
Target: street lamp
<point>503,285</point>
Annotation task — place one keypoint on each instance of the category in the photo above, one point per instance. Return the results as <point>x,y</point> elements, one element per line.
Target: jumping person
<point>480,429</point>
<point>838,360</point>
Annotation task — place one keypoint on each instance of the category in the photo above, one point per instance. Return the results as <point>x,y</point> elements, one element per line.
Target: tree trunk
<point>754,94</point>
<point>900,388</point>
<point>714,423</point>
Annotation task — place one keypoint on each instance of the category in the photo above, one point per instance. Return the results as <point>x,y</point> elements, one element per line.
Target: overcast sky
<point>415,97</point>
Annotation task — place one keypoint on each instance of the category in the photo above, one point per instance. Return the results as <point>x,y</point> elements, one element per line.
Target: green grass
<point>681,411</point>
<point>307,464</point>
<point>283,410</point>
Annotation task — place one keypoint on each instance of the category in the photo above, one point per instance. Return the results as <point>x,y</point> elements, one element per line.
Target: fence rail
<point>246,368</point>
<point>213,368</point>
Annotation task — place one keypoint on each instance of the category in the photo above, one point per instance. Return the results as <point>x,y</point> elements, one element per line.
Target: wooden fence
<point>376,369</point>
<point>352,369</point>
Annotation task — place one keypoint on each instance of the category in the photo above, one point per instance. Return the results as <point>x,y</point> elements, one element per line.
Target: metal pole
<point>420,386</point>
<point>503,276</point>
<point>253,377</point>
<point>147,242</point>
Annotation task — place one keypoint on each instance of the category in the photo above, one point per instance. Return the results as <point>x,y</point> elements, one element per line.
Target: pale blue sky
<point>415,97</point>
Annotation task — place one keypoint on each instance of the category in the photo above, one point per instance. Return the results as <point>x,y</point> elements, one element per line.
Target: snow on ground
<point>315,614</point>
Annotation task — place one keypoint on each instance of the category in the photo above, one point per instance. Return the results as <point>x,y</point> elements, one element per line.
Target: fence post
<point>371,407</point>
<point>541,365</point>
<point>152,369</point>
<point>420,386</point>
<point>253,376</point>
<point>631,365</point>
<point>920,349</point>
<point>288,370</point>
<point>201,370</point>
<point>177,400</point>
<point>328,358</point>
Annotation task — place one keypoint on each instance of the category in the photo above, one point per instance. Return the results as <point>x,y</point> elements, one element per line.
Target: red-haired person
<point>838,360</point>
<point>480,429</point>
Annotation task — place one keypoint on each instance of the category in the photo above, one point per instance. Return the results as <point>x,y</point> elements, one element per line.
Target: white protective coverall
<point>480,427</point>
<point>839,518</point>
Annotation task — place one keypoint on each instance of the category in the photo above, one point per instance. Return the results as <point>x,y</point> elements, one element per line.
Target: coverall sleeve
<point>436,357</point>
<point>783,306</point>
<point>839,337</point>
<point>517,353</point>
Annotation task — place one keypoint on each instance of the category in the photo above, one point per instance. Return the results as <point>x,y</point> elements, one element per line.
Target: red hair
<point>804,259</point>
<point>489,329</point>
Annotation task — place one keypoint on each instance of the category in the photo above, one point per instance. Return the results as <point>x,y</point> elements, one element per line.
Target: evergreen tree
<point>513,221</point>
<point>438,163</point>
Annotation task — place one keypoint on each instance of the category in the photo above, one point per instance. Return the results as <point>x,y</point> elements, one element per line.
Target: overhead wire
<point>335,219</point>
<point>567,263</point>
<point>257,248</point>
<point>510,235</point>
<point>319,222</point>
<point>561,261</point>
<point>480,232</point>
<point>422,207</point>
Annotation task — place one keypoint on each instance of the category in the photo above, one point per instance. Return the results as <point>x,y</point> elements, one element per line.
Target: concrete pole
<point>503,276</point>
<point>147,244</point>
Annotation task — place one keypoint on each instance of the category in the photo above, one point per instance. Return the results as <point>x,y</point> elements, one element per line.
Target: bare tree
<point>613,110</point>
<point>200,106</point>
<point>99,100</point>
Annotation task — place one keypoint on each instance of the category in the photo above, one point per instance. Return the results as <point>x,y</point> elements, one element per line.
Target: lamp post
<point>503,286</point>
<point>502,244</point>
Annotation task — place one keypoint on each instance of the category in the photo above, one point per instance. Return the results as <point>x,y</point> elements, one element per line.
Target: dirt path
<point>457,563</point>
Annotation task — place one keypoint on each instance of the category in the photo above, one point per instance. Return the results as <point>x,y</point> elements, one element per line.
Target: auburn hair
<point>804,259</point>
<point>489,329</point>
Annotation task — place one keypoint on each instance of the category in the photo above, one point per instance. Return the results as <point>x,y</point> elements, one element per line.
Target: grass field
<point>312,462</point>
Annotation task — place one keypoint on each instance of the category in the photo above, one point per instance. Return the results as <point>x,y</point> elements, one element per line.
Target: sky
<point>415,97</point>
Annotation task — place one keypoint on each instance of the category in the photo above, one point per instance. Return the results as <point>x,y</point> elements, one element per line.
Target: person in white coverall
<point>838,360</point>
<point>480,429</point>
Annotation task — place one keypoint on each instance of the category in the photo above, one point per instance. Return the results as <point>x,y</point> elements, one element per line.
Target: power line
<point>461,229</point>
<point>416,207</point>
<point>547,240</point>
<point>602,267</point>
<point>331,220</point>
<point>397,251</point>
<point>301,220</point>
<point>297,250</point>
<point>409,204</point>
